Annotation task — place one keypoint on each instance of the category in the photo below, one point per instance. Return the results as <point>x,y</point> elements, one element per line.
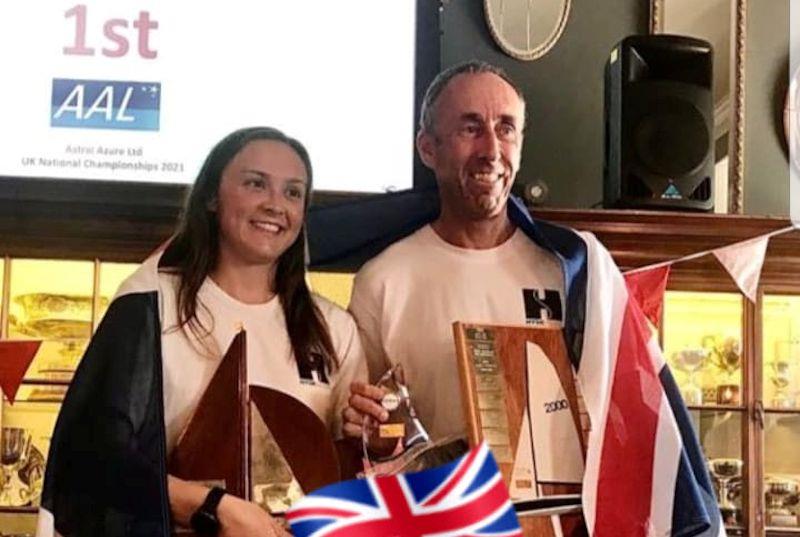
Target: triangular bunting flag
<point>743,261</point>
<point>647,287</point>
<point>15,358</point>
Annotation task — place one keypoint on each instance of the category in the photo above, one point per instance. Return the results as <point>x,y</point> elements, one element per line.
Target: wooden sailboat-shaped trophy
<point>258,443</point>
<point>520,396</point>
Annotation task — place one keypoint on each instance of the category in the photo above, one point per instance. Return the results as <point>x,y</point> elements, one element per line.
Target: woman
<point>237,259</point>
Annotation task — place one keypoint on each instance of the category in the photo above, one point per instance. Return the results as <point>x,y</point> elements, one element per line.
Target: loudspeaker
<point>659,124</point>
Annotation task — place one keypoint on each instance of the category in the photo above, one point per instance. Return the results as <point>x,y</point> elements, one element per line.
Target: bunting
<point>15,358</point>
<point>647,288</point>
<point>742,260</point>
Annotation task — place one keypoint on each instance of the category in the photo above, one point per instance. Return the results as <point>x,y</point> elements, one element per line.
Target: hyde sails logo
<point>105,104</point>
<point>542,306</point>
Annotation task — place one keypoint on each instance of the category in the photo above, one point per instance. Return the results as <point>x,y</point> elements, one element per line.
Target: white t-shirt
<point>270,360</point>
<point>406,299</point>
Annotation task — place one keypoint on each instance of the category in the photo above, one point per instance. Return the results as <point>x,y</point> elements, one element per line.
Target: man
<point>484,259</point>
<point>472,263</point>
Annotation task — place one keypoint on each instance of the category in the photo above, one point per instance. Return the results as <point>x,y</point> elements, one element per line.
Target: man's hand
<point>365,400</point>
<point>240,518</point>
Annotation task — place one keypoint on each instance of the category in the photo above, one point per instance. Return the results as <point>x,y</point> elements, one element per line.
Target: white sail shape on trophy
<point>549,449</point>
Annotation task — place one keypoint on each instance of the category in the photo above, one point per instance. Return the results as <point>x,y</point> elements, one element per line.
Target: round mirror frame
<point>791,119</point>
<point>539,50</point>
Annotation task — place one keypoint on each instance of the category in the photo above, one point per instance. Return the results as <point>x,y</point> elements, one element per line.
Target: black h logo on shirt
<point>312,371</point>
<point>535,304</point>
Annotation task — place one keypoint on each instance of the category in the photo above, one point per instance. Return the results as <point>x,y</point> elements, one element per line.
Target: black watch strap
<point>204,521</point>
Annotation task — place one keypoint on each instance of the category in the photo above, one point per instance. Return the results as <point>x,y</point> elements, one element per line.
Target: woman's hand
<point>237,517</point>
<point>240,518</point>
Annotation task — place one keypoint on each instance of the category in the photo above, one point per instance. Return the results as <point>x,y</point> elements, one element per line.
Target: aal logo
<point>105,104</point>
<point>542,305</point>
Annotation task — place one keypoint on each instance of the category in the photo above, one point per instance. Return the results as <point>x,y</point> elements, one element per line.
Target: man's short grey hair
<point>472,67</point>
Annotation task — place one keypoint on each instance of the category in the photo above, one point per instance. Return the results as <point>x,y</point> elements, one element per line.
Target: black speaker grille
<point>672,138</point>
<point>636,188</point>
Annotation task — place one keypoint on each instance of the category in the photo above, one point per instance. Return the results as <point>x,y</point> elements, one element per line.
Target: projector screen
<point>141,90</point>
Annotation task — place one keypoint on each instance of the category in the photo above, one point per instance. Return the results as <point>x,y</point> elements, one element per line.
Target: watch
<point>204,521</point>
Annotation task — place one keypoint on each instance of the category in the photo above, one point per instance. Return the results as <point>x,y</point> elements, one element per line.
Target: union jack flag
<point>466,497</point>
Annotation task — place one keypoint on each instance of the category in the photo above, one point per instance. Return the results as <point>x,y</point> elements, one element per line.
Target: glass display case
<point>58,302</point>
<point>702,339</point>
<point>781,394</point>
<point>335,286</point>
<point>51,301</point>
<point>702,342</point>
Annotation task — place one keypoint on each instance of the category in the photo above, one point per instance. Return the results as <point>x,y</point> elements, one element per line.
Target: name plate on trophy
<point>490,389</point>
<point>258,443</point>
<point>520,396</point>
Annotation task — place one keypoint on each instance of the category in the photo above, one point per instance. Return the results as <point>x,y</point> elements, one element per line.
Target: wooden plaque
<point>258,443</point>
<point>520,396</point>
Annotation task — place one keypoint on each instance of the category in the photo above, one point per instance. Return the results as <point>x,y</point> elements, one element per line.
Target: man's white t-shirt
<point>270,361</point>
<point>406,299</point>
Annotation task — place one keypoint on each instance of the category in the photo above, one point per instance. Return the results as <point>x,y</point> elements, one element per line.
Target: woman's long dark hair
<point>194,252</point>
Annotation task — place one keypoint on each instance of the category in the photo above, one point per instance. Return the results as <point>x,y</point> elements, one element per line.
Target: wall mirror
<point>722,23</point>
<point>791,120</point>
<point>525,29</point>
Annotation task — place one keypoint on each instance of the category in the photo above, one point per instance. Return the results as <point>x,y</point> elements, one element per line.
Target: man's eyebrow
<point>508,118</point>
<point>476,117</point>
<point>471,116</point>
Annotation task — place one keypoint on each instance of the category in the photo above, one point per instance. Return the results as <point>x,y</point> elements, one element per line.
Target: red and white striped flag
<point>643,462</point>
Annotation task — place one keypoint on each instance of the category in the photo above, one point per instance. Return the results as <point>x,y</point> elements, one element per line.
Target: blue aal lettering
<point>104,104</point>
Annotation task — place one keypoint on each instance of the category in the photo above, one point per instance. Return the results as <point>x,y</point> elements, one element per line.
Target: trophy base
<point>782,520</point>
<point>710,395</point>
<point>728,394</point>
<point>784,403</point>
<point>731,516</point>
<point>419,457</point>
<point>692,395</point>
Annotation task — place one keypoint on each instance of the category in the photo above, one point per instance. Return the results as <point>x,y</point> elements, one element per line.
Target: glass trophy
<point>781,494</point>
<point>390,446</point>
<point>727,356</point>
<point>32,477</point>
<point>690,361</point>
<point>781,368</point>
<point>781,380</point>
<point>15,446</point>
<point>726,473</point>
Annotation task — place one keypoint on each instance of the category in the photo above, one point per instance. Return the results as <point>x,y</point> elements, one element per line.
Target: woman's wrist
<point>225,510</point>
<point>205,520</point>
<point>185,498</point>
